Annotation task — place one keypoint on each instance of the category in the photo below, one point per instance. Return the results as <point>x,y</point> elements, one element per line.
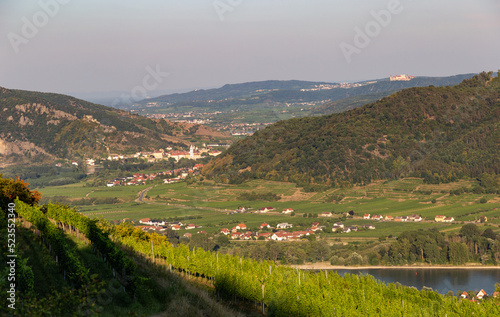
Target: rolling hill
<point>36,127</point>
<point>245,96</point>
<point>439,133</point>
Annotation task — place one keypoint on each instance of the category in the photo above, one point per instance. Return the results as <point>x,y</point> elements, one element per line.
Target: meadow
<point>209,205</point>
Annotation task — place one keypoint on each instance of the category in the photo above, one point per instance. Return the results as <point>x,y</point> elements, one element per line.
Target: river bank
<point>328,266</point>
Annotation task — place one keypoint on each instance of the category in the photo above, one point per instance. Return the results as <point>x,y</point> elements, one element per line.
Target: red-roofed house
<point>266,235</point>
<point>481,294</point>
<point>279,236</point>
<point>146,221</point>
<point>241,226</point>
<point>439,218</point>
<point>287,211</point>
<point>236,235</point>
<point>225,231</point>
<point>264,225</point>
<point>366,216</point>
<point>266,209</point>
<point>248,235</point>
<point>176,227</point>
<point>190,226</point>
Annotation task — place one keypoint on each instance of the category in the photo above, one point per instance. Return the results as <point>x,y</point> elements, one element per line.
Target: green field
<point>208,204</point>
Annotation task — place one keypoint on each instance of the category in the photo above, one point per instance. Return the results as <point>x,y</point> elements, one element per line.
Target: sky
<point>153,46</point>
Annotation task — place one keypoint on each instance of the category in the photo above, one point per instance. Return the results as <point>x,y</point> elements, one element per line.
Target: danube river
<point>440,280</point>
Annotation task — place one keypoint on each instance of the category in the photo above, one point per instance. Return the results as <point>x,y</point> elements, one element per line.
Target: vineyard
<point>280,290</point>
<point>128,288</point>
<point>283,291</point>
<point>56,216</point>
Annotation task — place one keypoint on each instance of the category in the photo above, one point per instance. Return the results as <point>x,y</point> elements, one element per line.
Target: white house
<point>279,236</point>
<point>284,225</point>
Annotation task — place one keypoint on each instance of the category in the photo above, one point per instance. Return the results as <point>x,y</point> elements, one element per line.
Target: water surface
<point>440,280</point>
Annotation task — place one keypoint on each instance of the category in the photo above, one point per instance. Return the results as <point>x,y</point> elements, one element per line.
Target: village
<point>283,231</point>
<point>168,177</point>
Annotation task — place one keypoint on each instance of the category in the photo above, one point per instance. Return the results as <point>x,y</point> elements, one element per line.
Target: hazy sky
<point>77,46</point>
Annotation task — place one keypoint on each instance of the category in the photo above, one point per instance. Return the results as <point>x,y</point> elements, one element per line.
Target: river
<point>440,280</point>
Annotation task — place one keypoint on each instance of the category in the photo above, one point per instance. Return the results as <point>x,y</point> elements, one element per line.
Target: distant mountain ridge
<point>231,96</point>
<point>439,133</point>
<point>35,127</point>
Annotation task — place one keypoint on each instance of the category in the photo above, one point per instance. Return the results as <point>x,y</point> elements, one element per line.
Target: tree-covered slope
<point>439,133</point>
<point>233,96</point>
<point>34,126</point>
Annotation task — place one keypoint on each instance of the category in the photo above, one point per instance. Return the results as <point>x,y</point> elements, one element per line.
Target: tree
<point>469,231</point>
<point>223,240</point>
<point>458,253</point>
<point>489,233</point>
<point>10,189</point>
<point>274,250</point>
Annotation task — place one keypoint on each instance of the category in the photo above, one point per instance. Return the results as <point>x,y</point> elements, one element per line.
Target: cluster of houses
<point>193,154</point>
<point>161,226</point>
<point>339,227</point>
<point>415,218</point>
<point>263,210</point>
<point>441,218</point>
<point>142,178</point>
<point>280,235</point>
<point>479,296</point>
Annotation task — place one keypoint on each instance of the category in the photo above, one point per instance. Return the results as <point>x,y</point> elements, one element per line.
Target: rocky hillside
<point>37,127</point>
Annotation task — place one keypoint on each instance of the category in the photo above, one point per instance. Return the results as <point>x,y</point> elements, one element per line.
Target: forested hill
<point>38,126</point>
<point>289,91</point>
<point>439,133</point>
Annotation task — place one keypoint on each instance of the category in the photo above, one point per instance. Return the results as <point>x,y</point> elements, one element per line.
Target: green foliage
<point>253,196</point>
<point>285,291</point>
<point>460,125</point>
<point>77,273</point>
<point>11,189</point>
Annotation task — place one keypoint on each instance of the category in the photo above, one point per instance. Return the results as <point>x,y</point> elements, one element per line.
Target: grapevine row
<point>99,239</point>
<point>66,255</point>
<point>291,292</point>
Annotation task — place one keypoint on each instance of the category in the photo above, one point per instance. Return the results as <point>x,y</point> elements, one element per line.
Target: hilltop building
<point>402,77</point>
